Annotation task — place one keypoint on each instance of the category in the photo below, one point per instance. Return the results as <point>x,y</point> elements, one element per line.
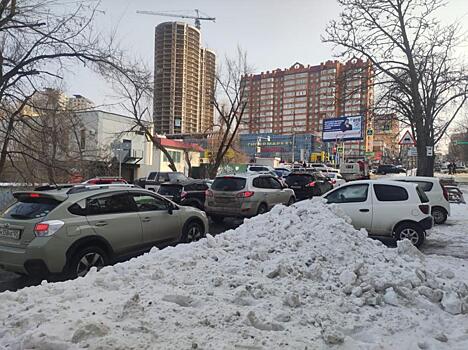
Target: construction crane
<point>197,17</point>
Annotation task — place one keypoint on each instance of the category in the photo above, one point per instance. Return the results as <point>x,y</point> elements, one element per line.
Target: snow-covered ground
<point>297,277</point>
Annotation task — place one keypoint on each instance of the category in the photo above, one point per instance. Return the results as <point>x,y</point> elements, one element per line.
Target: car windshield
<point>228,184</point>
<point>178,177</point>
<point>30,208</point>
<point>170,190</point>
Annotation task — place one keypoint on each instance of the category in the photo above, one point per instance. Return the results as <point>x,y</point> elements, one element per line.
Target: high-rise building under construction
<point>184,80</point>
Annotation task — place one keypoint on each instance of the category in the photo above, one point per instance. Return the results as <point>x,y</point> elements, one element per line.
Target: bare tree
<point>413,55</point>
<point>37,40</point>
<point>230,103</point>
<point>133,84</point>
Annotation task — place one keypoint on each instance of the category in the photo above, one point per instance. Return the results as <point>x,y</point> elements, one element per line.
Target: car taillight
<point>183,194</point>
<point>245,194</point>
<point>311,184</point>
<point>209,193</point>
<point>34,195</point>
<point>47,228</point>
<point>446,194</point>
<point>424,208</point>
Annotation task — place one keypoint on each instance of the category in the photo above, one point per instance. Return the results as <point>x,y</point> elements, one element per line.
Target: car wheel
<point>216,219</point>
<point>291,201</point>
<point>262,209</point>
<point>193,232</point>
<point>439,214</point>
<point>85,259</point>
<point>411,231</point>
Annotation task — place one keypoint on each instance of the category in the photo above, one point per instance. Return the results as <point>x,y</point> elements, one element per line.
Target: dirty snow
<point>297,277</point>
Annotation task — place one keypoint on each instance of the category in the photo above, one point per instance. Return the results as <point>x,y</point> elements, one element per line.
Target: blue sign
<point>342,129</point>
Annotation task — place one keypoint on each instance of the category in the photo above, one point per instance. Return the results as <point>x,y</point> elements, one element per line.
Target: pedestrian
<point>454,168</point>
<point>304,164</point>
<point>450,168</point>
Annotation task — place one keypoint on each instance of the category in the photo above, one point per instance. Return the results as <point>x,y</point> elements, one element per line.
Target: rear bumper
<point>303,193</point>
<point>246,210</point>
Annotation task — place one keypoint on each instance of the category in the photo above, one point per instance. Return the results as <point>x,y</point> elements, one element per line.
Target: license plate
<point>9,233</point>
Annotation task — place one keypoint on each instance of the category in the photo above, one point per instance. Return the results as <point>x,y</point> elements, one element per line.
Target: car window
<point>422,195</point>
<point>260,182</point>
<point>146,202</point>
<point>163,177</point>
<point>228,183</point>
<point>390,193</point>
<point>30,208</point>
<point>177,177</point>
<point>170,190</point>
<point>274,184</point>
<point>426,186</point>
<point>109,204</point>
<point>299,179</point>
<point>258,168</point>
<point>152,176</point>
<point>349,194</point>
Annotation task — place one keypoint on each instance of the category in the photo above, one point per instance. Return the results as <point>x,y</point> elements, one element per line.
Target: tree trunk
<point>425,163</point>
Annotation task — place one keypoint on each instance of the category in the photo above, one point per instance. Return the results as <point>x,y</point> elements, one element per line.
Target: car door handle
<point>364,210</point>
<point>146,219</point>
<point>101,223</point>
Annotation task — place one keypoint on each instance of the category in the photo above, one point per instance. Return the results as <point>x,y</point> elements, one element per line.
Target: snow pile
<point>297,277</point>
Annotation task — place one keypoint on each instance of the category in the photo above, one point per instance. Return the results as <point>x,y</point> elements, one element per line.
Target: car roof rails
<point>50,187</point>
<point>84,187</point>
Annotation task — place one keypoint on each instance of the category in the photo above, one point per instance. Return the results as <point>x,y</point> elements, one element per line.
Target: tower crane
<point>197,16</point>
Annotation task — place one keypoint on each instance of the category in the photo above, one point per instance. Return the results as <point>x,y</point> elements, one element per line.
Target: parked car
<point>384,169</point>
<point>385,208</point>
<point>308,184</point>
<point>156,178</point>
<point>282,172</point>
<point>105,180</point>
<point>336,179</point>
<point>245,195</point>
<point>260,169</point>
<point>67,231</point>
<point>455,194</point>
<point>190,193</point>
<point>437,194</point>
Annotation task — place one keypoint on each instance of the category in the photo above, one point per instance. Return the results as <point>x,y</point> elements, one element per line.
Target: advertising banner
<point>342,129</point>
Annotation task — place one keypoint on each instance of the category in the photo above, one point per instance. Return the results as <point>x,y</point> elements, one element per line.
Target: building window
<point>175,155</point>
<point>83,139</point>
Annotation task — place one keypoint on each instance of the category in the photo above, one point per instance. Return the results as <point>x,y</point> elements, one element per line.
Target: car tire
<point>86,258</point>
<point>411,231</point>
<point>216,219</point>
<point>439,214</point>
<point>193,231</point>
<point>291,201</point>
<point>262,209</point>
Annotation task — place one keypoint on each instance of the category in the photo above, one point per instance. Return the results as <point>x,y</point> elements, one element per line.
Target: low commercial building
<point>288,147</point>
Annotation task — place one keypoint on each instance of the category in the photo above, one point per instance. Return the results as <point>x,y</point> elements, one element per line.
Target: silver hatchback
<point>245,195</point>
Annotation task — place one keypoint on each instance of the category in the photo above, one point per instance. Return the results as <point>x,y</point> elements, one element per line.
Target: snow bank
<point>297,277</point>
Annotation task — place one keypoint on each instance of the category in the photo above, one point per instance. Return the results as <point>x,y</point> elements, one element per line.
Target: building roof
<point>180,145</point>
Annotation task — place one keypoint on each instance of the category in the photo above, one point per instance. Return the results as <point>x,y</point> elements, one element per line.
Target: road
<point>12,282</point>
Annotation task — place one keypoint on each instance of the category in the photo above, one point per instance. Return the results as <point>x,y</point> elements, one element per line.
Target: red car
<point>106,181</point>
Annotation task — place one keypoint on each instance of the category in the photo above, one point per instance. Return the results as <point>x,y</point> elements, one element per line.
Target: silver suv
<point>68,230</point>
<point>245,195</point>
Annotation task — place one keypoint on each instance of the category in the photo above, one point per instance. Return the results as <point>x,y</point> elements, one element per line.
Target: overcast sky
<point>275,33</point>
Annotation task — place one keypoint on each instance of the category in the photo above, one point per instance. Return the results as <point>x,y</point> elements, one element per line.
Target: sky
<point>274,33</point>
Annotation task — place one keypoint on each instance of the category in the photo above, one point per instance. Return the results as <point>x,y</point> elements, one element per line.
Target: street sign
<point>459,142</point>
<point>370,132</point>
<point>407,139</point>
<point>412,152</point>
<point>370,154</point>
<point>429,151</point>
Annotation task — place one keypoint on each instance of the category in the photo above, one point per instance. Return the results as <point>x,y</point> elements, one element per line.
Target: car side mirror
<point>170,208</point>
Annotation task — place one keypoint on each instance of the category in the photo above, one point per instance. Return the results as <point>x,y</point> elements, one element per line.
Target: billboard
<point>342,129</point>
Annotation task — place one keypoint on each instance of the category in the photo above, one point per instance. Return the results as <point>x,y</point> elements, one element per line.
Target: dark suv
<point>389,169</point>
<point>189,193</point>
<point>308,185</point>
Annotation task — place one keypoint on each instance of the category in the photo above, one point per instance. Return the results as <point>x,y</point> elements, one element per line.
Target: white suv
<point>437,194</point>
<point>385,208</point>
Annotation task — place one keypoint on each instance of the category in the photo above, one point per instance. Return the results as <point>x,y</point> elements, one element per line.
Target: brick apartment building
<point>297,99</point>
<point>386,137</point>
<point>184,79</point>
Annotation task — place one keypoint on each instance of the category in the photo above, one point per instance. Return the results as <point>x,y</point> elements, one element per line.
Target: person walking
<point>454,168</point>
